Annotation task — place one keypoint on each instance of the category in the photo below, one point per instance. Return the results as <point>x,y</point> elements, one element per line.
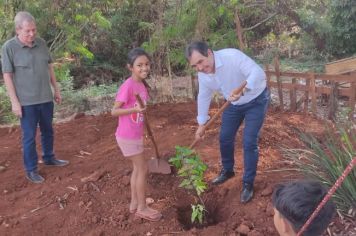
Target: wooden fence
<point>312,86</point>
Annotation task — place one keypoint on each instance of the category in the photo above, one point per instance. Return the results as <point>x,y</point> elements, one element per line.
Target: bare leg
<point>140,184</point>
<point>133,203</point>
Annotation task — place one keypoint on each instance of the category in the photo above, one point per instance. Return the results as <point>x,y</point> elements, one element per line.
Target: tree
<point>342,38</point>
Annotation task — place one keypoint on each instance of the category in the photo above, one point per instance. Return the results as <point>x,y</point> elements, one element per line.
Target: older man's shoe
<point>247,193</point>
<point>223,176</point>
<point>34,177</point>
<point>56,162</point>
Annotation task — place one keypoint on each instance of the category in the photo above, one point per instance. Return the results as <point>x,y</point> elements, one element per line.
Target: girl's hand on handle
<point>200,132</point>
<point>139,109</point>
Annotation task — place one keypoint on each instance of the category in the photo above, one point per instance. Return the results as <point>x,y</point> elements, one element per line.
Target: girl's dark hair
<point>133,55</point>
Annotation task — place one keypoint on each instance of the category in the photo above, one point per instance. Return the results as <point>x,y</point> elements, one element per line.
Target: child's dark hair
<point>133,55</point>
<point>296,201</point>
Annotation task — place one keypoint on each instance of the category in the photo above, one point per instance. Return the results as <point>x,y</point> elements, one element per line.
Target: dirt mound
<point>91,195</point>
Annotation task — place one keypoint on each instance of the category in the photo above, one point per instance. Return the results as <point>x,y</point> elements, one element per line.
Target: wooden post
<point>313,92</point>
<point>293,95</point>
<point>333,99</point>
<point>268,76</point>
<point>352,100</point>
<point>306,95</point>
<point>278,76</point>
<point>194,81</point>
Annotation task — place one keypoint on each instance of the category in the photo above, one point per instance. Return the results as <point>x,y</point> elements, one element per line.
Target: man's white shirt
<point>232,67</point>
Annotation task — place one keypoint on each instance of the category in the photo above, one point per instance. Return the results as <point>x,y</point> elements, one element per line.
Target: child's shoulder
<point>126,83</point>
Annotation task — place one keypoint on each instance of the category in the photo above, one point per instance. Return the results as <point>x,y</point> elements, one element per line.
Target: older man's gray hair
<point>21,17</point>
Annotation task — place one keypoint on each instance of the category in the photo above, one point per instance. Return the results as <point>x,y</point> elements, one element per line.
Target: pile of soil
<point>91,195</point>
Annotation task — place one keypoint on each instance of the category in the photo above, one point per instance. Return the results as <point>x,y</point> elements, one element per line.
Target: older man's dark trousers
<point>33,116</point>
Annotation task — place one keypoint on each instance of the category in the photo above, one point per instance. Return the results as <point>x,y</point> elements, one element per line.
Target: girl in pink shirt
<point>129,133</point>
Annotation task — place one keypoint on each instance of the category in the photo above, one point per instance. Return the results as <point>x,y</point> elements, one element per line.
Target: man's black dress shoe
<point>224,175</point>
<point>247,193</point>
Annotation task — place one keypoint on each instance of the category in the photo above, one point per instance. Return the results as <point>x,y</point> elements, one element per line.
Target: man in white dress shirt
<point>223,71</point>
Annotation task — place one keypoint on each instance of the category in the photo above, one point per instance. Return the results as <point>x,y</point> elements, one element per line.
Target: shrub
<point>6,115</point>
<point>78,99</point>
<point>325,160</point>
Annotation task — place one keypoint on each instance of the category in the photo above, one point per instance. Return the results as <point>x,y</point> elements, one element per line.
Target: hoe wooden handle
<point>149,130</point>
<point>226,104</point>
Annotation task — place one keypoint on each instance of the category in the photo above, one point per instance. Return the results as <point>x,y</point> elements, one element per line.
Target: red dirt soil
<point>91,195</point>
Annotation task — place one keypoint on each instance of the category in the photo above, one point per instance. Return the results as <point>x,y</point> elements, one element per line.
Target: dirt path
<point>68,203</point>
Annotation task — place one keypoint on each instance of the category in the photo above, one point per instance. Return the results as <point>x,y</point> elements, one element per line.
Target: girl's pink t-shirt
<point>131,126</point>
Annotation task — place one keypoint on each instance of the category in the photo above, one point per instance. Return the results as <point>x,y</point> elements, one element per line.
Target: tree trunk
<point>239,30</point>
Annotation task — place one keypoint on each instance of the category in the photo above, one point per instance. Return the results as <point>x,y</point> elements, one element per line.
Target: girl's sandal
<point>151,217</point>
<point>149,201</point>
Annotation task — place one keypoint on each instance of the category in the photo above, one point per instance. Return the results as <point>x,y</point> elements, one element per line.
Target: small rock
<point>243,229</point>
<point>267,191</point>
<point>5,191</point>
<point>6,224</point>
<point>81,203</point>
<point>2,168</point>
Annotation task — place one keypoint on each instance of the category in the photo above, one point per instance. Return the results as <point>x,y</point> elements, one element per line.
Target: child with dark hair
<point>129,132</point>
<point>294,203</point>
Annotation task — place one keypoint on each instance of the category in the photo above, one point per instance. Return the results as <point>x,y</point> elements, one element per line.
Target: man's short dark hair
<point>296,201</point>
<point>198,46</point>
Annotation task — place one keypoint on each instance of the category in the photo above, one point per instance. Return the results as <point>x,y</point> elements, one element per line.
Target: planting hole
<point>184,217</point>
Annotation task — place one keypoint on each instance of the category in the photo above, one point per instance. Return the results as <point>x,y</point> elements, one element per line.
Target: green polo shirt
<point>29,66</point>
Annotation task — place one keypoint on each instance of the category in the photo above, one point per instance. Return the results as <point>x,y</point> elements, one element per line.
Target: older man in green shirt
<point>28,76</point>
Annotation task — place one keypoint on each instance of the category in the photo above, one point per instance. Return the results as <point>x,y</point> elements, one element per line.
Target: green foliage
<point>6,115</point>
<point>63,77</point>
<point>343,28</point>
<point>191,168</point>
<point>326,160</point>
<point>77,99</point>
<point>197,213</point>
